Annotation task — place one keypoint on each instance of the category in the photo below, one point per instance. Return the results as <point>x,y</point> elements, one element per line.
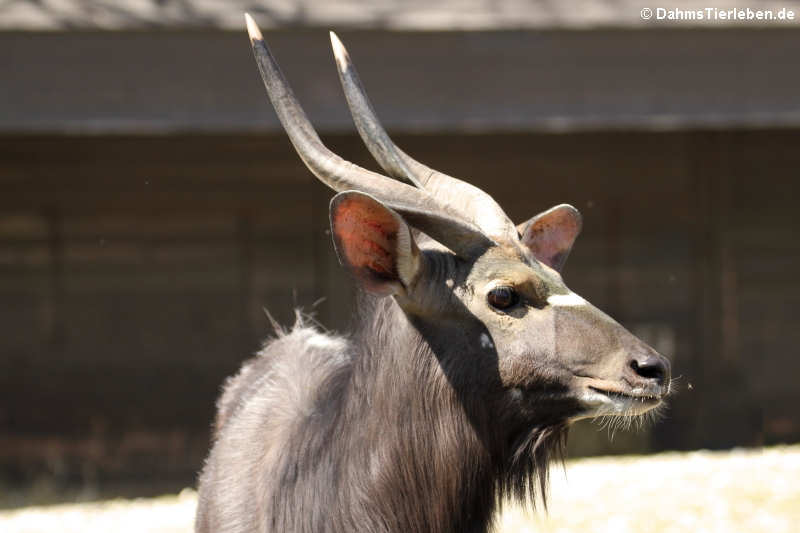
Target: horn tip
<point>339,50</point>
<point>252,28</point>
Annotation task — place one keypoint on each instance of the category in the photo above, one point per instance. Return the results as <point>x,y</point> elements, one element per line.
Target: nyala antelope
<point>470,359</point>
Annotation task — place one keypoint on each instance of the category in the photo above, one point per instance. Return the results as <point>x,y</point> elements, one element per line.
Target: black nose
<point>651,367</point>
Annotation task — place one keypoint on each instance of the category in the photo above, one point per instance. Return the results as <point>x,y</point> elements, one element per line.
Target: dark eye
<point>502,297</point>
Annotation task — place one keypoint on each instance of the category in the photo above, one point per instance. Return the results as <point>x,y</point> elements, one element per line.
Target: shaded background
<point>151,208</point>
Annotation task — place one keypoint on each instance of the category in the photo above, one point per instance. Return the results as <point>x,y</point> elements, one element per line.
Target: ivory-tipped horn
<point>475,205</point>
<point>418,207</point>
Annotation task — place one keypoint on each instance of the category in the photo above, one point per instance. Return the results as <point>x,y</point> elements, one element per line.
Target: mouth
<point>607,398</point>
<point>624,397</point>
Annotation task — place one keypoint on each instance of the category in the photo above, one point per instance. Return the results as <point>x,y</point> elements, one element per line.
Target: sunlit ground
<point>737,491</point>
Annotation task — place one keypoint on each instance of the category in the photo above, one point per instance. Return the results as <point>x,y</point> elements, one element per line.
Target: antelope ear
<point>550,235</point>
<point>374,243</point>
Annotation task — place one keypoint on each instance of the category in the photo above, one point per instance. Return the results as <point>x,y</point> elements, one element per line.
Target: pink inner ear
<point>547,242</point>
<point>550,237</point>
<point>368,237</point>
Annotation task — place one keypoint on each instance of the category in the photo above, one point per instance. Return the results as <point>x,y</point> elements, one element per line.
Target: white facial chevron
<point>566,300</point>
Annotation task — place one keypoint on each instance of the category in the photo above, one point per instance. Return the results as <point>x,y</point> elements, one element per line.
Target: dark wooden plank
<point>172,81</point>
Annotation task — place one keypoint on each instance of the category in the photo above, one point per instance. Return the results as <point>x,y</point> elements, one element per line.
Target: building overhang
<point>405,15</point>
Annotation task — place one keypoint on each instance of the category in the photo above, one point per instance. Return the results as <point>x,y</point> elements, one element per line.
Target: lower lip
<point>623,396</point>
<point>618,402</point>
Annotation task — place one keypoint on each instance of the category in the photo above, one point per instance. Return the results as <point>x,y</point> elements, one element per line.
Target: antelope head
<point>483,290</point>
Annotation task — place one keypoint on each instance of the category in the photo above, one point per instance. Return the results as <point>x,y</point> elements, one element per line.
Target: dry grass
<point>737,491</point>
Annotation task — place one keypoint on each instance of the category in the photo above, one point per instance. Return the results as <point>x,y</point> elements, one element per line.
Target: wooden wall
<point>548,80</point>
<point>134,274</point>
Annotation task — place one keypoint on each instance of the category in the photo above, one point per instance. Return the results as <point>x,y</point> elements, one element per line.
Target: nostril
<point>649,368</point>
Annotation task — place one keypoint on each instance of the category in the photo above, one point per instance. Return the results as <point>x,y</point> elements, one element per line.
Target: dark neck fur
<point>409,444</point>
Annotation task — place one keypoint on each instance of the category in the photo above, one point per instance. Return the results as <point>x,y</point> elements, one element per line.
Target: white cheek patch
<point>486,342</point>
<point>566,300</point>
